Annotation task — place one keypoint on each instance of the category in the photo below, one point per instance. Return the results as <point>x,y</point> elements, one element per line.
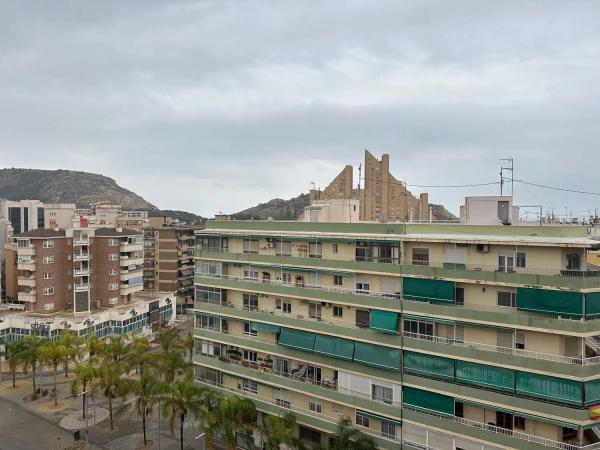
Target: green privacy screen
<point>553,302</point>
<point>377,356</point>
<point>266,327</point>
<point>300,340</point>
<point>549,387</point>
<point>335,347</point>
<point>422,289</point>
<point>592,304</point>
<point>429,364</point>
<point>384,321</point>
<point>592,392</point>
<point>496,377</point>
<point>428,400</point>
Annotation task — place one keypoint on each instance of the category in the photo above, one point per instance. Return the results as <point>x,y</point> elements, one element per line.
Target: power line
<point>432,185</point>
<point>555,188</point>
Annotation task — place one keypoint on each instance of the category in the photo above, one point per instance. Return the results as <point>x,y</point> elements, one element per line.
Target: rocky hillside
<point>290,209</point>
<point>66,186</point>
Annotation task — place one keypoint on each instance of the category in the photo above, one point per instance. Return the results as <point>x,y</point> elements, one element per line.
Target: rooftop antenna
<point>512,174</point>
<point>359,174</point>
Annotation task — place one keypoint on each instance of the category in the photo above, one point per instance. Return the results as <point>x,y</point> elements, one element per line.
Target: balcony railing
<point>594,360</point>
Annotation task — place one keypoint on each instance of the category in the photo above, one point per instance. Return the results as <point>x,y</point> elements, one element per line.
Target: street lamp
<point>201,436</point>
<point>85,407</point>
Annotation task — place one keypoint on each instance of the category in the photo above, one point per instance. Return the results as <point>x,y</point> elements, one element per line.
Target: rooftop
<point>41,233</point>
<point>115,232</point>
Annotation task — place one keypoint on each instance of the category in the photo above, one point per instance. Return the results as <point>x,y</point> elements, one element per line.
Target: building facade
<point>426,336</point>
<point>74,269</point>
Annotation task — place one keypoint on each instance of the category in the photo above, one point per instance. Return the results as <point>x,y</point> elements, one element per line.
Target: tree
<point>182,400</point>
<point>14,352</point>
<point>236,418</point>
<point>115,348</point>
<point>109,379</point>
<point>73,350</point>
<point>347,437</point>
<point>147,390</point>
<point>32,356</point>
<point>139,354</point>
<point>85,373</point>
<point>53,353</point>
<point>169,340</point>
<point>281,430</point>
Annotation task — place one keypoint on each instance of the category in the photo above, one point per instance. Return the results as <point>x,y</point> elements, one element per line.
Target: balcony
<point>26,296</point>
<point>81,287</point>
<point>542,277</point>
<point>81,256</point>
<point>26,281</point>
<point>506,317</point>
<point>81,241</point>
<point>132,247</point>
<point>487,354</point>
<point>26,264</point>
<point>125,289</point>
<point>81,272</point>
<point>131,260</point>
<point>26,251</point>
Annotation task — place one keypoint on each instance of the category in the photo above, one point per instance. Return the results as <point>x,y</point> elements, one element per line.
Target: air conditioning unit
<point>483,248</point>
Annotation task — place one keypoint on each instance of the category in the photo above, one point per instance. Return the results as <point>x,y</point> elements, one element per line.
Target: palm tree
<point>139,354</point>
<point>14,352</point>
<point>209,415</point>
<point>236,418</point>
<point>73,350</point>
<point>281,430</point>
<point>115,348</point>
<point>183,399</point>
<point>32,355</point>
<point>147,390</point>
<point>189,343</point>
<point>168,339</point>
<point>53,353</point>
<point>109,380</point>
<point>85,373</point>
<point>348,438</point>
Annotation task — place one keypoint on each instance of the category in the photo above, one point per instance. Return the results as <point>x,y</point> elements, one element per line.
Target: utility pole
<point>511,169</point>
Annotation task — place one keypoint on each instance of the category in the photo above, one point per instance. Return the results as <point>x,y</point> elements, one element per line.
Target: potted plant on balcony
<point>234,354</point>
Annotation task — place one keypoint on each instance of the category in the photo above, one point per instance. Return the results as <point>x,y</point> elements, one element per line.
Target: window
<point>459,409</point>
<point>48,243</point>
<point>338,280</point>
<point>362,420</point>
<point>283,248</point>
<point>459,296</point>
<point>422,328</point>
<point>250,245</point>
<point>49,291</point>
<point>382,394</point>
<point>286,277</point>
<point>248,329</point>
<point>519,423</point>
<point>363,288</point>
<point>48,259</point>
<point>112,271</point>
<point>362,318</point>
<point>314,249</point>
<point>520,340</point>
<point>388,429</point>
<point>338,311</point>
<point>249,386</point>
<point>286,307</point>
<point>250,302</point>
<point>314,310</point>
<point>521,260</point>
<point>48,275</point>
<point>506,262</point>
<point>315,406</point>
<point>504,420</point>
<point>48,306</point>
<point>113,301</point>
<point>113,286</point>
<point>250,273</point>
<point>113,242</point>
<point>113,256</point>
<point>250,356</point>
<point>573,261</point>
<point>507,299</point>
<point>334,249</point>
<point>420,256</point>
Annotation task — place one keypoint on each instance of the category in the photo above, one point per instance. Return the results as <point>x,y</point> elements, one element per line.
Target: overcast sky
<point>215,106</point>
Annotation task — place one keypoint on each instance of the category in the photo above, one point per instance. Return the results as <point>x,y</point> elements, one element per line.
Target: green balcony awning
<point>384,321</point>
<point>299,269</point>
<point>334,347</point>
<point>481,374</point>
<point>552,302</point>
<point>427,400</point>
<point>429,364</point>
<point>300,340</point>
<point>377,356</point>
<point>266,327</point>
<point>592,304</point>
<point>427,290</point>
<point>568,391</point>
<point>592,392</point>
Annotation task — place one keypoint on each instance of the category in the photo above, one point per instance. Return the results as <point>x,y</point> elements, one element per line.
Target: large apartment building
<point>426,336</point>
<point>74,269</point>
<point>169,261</point>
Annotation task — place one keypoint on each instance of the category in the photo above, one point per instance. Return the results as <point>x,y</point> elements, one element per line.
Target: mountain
<point>66,186</point>
<point>290,209</point>
<point>183,216</point>
<point>277,208</point>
